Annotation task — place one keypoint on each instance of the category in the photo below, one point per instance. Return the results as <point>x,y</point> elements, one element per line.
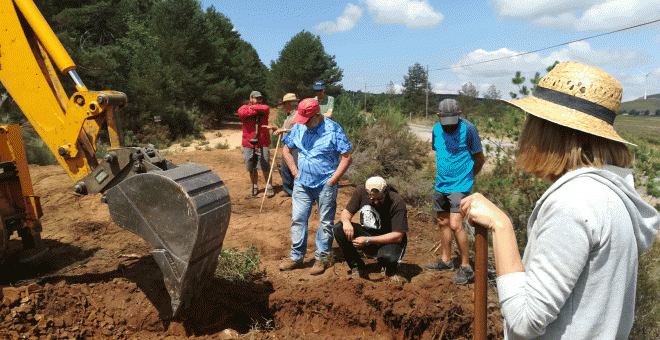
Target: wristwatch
<point>368,240</point>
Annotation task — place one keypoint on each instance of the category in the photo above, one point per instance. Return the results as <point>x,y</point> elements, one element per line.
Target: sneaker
<point>440,265</point>
<point>320,265</point>
<point>359,274</point>
<point>253,194</point>
<point>269,191</point>
<point>290,264</point>
<point>464,276</point>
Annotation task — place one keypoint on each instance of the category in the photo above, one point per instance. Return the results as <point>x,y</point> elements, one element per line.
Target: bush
<point>347,114</point>
<point>36,150</point>
<point>388,149</point>
<point>156,134</point>
<point>130,139</point>
<point>235,266</point>
<point>222,145</point>
<point>101,150</point>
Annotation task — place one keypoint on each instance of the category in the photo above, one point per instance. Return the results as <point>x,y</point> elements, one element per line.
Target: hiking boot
<point>290,264</point>
<point>320,265</point>
<point>269,191</point>
<point>359,273</point>
<point>464,276</point>
<point>253,194</point>
<point>440,265</point>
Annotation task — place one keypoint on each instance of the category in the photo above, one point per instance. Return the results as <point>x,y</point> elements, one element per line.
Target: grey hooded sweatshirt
<point>585,235</point>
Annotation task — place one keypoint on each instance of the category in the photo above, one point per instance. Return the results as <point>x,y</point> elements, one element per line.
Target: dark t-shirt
<point>393,213</point>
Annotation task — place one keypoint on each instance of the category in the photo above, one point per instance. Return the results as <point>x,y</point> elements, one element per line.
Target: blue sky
<point>376,41</point>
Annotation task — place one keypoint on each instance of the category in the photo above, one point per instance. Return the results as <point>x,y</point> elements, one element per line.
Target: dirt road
<point>99,281</point>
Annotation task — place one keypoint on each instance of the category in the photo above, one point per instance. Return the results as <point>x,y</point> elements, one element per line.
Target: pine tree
<point>414,88</point>
<point>302,61</point>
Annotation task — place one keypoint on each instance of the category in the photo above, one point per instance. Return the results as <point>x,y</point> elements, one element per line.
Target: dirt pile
<point>97,280</point>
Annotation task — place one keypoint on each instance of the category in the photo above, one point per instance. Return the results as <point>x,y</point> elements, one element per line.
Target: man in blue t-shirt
<point>459,158</point>
<point>323,157</point>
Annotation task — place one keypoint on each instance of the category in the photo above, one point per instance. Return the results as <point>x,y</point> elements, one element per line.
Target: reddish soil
<point>97,280</point>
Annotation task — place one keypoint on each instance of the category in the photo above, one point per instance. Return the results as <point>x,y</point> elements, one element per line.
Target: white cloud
<point>500,72</point>
<point>530,63</point>
<point>581,15</point>
<point>410,13</point>
<point>345,22</point>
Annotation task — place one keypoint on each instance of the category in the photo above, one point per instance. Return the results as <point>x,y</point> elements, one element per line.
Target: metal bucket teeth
<point>183,213</point>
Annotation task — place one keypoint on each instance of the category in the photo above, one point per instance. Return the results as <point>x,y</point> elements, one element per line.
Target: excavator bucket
<point>183,213</point>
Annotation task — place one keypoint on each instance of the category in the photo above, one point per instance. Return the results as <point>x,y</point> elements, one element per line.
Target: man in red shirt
<point>256,155</point>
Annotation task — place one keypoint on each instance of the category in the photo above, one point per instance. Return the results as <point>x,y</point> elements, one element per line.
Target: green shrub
<point>36,150</point>
<point>647,307</point>
<point>385,147</point>
<point>235,266</point>
<point>130,139</point>
<point>182,122</point>
<point>101,151</point>
<point>156,134</point>
<point>222,145</point>
<point>347,114</point>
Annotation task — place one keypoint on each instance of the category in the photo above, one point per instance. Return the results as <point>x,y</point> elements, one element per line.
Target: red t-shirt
<point>248,114</point>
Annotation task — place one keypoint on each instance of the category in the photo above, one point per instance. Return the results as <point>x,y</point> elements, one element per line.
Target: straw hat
<point>289,97</point>
<point>577,96</point>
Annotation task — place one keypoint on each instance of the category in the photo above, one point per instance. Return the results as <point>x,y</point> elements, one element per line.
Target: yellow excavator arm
<point>182,211</point>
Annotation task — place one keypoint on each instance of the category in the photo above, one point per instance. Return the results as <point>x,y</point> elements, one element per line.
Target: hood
<point>645,218</point>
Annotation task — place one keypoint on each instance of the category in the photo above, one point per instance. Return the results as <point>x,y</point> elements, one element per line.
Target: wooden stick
<point>480,282</point>
<point>271,171</point>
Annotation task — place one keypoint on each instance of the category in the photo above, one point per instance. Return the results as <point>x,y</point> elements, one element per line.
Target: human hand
<point>281,131</point>
<point>348,230</point>
<point>480,211</point>
<point>359,242</point>
<point>331,182</point>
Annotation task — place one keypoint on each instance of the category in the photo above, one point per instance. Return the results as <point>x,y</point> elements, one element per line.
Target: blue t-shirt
<point>454,163</point>
<point>319,149</point>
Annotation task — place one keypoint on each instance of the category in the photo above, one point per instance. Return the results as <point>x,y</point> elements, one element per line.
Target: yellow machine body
<point>20,210</point>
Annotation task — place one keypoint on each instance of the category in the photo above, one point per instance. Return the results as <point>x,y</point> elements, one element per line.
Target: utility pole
<point>365,96</point>
<point>427,91</point>
<point>646,86</point>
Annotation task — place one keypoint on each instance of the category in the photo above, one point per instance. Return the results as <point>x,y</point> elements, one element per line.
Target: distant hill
<point>652,103</point>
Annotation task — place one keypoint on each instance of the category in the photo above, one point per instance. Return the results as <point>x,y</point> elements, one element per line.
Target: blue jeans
<point>303,199</point>
<point>287,178</point>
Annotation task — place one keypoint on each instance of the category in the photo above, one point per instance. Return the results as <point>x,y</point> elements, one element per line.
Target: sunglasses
<point>379,198</point>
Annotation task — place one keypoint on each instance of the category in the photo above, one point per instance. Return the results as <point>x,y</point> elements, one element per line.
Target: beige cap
<point>375,183</point>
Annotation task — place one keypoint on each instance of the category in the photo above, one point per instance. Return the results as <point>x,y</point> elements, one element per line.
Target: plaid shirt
<point>319,149</point>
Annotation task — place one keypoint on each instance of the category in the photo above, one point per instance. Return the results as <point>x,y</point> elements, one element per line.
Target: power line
<point>547,48</point>
<point>530,52</point>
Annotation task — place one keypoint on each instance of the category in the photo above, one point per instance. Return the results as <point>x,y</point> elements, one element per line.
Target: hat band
<point>575,103</point>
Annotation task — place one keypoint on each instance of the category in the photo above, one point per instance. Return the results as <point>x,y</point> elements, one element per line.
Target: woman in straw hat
<point>578,274</point>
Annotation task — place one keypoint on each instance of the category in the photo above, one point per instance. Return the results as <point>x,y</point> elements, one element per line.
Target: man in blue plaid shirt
<point>323,157</point>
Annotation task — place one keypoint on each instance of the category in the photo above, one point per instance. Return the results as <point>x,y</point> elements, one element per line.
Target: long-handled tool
<point>255,145</point>
<point>480,282</point>
<point>271,171</point>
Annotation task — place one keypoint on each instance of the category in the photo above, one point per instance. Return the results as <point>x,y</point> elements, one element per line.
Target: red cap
<point>306,109</point>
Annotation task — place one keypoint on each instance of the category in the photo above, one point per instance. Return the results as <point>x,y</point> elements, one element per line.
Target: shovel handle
<point>480,282</point>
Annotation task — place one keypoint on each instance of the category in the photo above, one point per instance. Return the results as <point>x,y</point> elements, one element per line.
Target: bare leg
<point>461,238</point>
<point>445,235</point>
